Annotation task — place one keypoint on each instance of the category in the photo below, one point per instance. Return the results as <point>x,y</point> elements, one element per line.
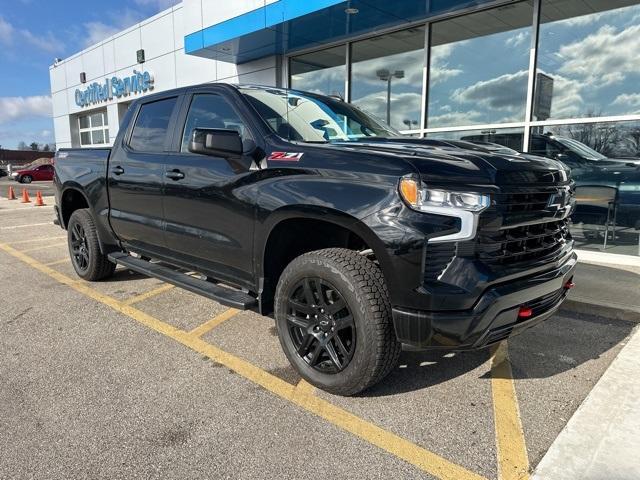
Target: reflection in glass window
<point>605,164</point>
<point>210,111</point>
<point>500,140</point>
<point>386,77</point>
<point>152,125</point>
<point>320,72</point>
<point>479,67</point>
<point>588,61</point>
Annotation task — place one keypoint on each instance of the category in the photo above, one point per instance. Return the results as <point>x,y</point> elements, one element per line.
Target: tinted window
<point>150,131</point>
<point>386,77</point>
<point>320,72</point>
<point>588,59</point>
<point>479,67</point>
<point>210,111</point>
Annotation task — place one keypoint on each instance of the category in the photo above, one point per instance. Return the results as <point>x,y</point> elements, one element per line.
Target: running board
<point>225,296</point>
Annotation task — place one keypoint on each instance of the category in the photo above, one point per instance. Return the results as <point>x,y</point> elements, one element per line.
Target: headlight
<point>424,199</point>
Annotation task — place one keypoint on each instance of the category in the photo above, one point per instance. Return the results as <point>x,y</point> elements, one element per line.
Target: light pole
<point>386,76</point>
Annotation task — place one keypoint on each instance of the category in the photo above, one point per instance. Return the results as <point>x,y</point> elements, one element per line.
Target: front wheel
<point>334,321</point>
<point>87,259</point>
<point>26,179</point>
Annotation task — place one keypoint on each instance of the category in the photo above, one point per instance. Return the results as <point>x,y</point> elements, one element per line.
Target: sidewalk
<point>602,439</point>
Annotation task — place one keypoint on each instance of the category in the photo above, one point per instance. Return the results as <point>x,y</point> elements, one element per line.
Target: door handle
<point>175,175</point>
<point>118,170</point>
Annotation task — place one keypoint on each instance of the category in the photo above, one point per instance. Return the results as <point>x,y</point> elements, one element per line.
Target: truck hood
<point>455,165</point>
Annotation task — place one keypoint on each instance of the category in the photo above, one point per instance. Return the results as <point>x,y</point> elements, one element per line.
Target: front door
<point>208,202</point>
<point>136,176</point>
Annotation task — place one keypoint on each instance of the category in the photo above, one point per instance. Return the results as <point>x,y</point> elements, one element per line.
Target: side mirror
<point>215,142</point>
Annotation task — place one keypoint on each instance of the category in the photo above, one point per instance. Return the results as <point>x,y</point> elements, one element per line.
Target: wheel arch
<point>290,232</point>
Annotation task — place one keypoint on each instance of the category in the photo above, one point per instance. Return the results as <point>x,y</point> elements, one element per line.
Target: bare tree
<point>632,141</point>
<point>602,137</point>
<point>34,146</point>
<point>22,146</point>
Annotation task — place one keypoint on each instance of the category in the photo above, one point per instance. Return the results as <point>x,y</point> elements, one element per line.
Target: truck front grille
<point>525,243</point>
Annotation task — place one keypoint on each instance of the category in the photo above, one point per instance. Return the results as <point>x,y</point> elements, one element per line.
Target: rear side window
<point>152,125</point>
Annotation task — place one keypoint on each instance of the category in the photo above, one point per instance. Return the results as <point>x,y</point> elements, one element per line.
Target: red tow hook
<point>569,285</point>
<point>525,312</point>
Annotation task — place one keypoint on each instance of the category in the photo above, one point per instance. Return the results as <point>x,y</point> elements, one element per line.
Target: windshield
<point>308,117</point>
<point>580,148</point>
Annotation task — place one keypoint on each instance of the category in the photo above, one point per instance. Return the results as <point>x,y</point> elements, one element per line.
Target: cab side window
<point>209,110</point>
<point>152,125</point>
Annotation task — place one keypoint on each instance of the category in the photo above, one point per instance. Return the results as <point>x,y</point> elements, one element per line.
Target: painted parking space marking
<point>58,262</point>
<point>421,458</point>
<point>43,247</point>
<point>214,322</point>
<point>35,240</point>
<point>12,227</point>
<point>151,293</point>
<point>513,461</point>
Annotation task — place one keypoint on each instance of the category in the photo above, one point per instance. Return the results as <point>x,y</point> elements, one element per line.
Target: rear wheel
<point>87,259</point>
<point>334,320</point>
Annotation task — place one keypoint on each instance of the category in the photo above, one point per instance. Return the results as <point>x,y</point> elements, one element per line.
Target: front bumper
<point>494,316</point>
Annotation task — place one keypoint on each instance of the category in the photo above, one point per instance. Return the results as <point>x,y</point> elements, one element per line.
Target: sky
<point>32,34</point>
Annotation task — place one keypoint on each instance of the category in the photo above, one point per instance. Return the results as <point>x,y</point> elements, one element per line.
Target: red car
<point>41,172</point>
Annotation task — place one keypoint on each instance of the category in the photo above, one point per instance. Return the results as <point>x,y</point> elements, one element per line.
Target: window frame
<point>528,124</point>
<point>168,142</point>
<point>90,129</point>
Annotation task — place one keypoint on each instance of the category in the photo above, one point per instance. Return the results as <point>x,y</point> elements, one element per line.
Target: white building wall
<point>162,38</point>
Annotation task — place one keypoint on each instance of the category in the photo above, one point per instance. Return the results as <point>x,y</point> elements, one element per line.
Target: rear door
<point>136,175</point>
<point>209,208</point>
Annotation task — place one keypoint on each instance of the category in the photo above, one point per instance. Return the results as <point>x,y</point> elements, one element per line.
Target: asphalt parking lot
<point>132,378</point>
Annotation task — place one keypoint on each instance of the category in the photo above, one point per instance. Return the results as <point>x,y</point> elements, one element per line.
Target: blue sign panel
<point>117,87</point>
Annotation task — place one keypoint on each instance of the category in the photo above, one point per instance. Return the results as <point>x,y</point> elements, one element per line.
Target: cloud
<point>602,58</point>
<point>440,69</point>
<point>505,92</point>
<point>19,108</point>
<point>98,31</point>
<point>159,4</point>
<point>46,41</point>
<point>517,39</point>
<point>455,118</point>
<point>631,101</point>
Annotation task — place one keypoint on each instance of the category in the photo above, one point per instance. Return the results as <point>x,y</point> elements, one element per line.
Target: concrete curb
<point>613,310</point>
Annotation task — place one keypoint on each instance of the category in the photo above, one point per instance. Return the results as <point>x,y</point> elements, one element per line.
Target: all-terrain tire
<point>362,286</point>
<point>96,265</point>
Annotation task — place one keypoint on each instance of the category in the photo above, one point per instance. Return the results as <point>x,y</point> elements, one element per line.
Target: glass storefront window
<point>500,140</point>
<point>605,164</point>
<point>588,62</point>
<point>320,72</point>
<point>479,67</point>
<point>386,77</point>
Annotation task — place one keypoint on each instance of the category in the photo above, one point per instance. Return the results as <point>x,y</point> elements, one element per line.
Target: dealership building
<point>559,78</point>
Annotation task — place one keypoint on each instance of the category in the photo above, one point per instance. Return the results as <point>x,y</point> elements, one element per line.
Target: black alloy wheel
<point>321,325</point>
<point>79,247</point>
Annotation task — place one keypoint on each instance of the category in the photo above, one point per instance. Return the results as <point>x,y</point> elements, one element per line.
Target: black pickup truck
<point>357,239</point>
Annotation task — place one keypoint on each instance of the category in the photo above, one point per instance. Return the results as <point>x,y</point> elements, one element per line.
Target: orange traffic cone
<point>25,196</point>
<point>12,194</point>
<point>39,201</point>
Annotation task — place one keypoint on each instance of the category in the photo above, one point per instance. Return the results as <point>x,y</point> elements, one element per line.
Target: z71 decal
<point>285,156</point>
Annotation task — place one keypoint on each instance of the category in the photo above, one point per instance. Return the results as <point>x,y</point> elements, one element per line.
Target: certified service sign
<point>117,87</point>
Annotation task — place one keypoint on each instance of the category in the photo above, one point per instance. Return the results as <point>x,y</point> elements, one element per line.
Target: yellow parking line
<point>305,388</point>
<point>149,294</point>
<point>33,240</point>
<point>423,459</point>
<point>513,462</point>
<point>58,262</point>
<point>34,249</point>
<point>213,323</point>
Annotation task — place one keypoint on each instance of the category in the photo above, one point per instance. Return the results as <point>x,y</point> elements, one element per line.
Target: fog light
<point>525,312</point>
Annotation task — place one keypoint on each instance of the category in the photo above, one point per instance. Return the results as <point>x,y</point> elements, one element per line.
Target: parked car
<point>3,173</point>
<point>302,205</point>
<point>608,187</point>
<point>39,173</point>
